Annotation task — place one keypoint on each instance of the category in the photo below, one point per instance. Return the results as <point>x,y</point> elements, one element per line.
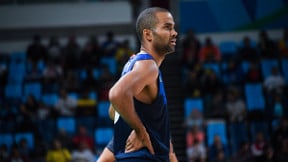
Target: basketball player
<point>141,120</point>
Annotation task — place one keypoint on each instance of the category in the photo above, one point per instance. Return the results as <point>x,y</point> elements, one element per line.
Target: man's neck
<point>158,58</point>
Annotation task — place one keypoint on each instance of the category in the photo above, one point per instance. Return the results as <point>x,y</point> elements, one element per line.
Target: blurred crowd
<point>218,76</point>
<point>78,77</point>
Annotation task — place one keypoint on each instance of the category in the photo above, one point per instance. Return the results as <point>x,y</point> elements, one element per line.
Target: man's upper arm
<point>143,73</point>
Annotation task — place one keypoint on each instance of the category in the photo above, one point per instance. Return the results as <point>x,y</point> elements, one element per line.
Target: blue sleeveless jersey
<point>155,118</point>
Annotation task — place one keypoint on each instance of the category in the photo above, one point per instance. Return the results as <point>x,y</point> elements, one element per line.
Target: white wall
<point>66,14</point>
<point>21,45</point>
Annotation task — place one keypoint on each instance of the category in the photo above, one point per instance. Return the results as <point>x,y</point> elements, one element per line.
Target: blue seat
<point>41,65</point>
<point>102,136</point>
<point>245,66</point>
<point>192,103</point>
<point>96,73</point>
<point>74,95</point>
<point>7,139</point>
<point>16,72</point>
<point>214,67</point>
<point>254,96</point>
<point>19,56</point>
<point>28,136</point>
<point>228,47</point>
<point>67,123</point>
<point>284,65</point>
<point>13,91</point>
<point>216,127</point>
<point>103,107</point>
<point>267,65</point>
<point>50,99</point>
<point>93,95</point>
<point>238,133</point>
<point>88,121</point>
<point>34,88</point>
<point>82,74</point>
<point>111,62</point>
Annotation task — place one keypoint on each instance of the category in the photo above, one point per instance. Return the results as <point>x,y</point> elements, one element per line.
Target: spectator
<point>275,82</point>
<point>280,133</point>
<point>221,157</point>
<point>10,116</point>
<point>90,82</point>
<point>110,45</point>
<point>40,149</point>
<point>23,148</point>
<point>195,118</point>
<point>257,147</point>
<point>58,153</point>
<point>83,136</point>
<point>34,74</point>
<point>194,133</point>
<point>51,74</point>
<point>266,45</point>
<point>28,111</point>
<point>123,53</point>
<point>191,47</point>
<point>216,147</point>
<point>282,155</point>
<point>253,74</point>
<point>197,153</point>
<point>247,52</point>
<point>233,74</point>
<point>276,106</point>
<point>3,77</point>
<point>106,80</point>
<point>283,44</point>
<point>54,51</point>
<point>15,156</point>
<point>36,50</point>
<point>66,105</point>
<point>235,107</point>
<point>268,154</point>
<point>43,112</point>
<point>243,154</point>
<point>209,52</point>
<point>4,153</point>
<point>92,53</point>
<point>216,107</point>
<point>72,54</point>
<point>192,84</point>
<point>211,83</point>
<point>83,153</point>
<point>71,81</point>
<point>65,139</point>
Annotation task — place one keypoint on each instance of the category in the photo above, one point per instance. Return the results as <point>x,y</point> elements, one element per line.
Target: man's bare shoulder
<point>146,66</point>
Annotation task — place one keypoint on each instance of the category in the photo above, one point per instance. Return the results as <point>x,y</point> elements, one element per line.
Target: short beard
<point>164,49</point>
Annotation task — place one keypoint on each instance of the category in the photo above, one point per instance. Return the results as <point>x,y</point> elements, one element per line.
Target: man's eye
<point>168,27</point>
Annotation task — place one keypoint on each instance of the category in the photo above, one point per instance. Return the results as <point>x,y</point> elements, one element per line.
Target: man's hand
<point>136,142</point>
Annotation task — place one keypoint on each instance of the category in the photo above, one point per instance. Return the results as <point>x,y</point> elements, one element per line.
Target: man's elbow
<point>117,95</point>
<point>114,95</point>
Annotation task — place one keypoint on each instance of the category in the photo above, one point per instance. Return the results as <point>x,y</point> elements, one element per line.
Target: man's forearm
<point>125,107</point>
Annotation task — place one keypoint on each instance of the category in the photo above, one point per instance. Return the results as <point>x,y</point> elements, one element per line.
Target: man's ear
<point>147,35</point>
